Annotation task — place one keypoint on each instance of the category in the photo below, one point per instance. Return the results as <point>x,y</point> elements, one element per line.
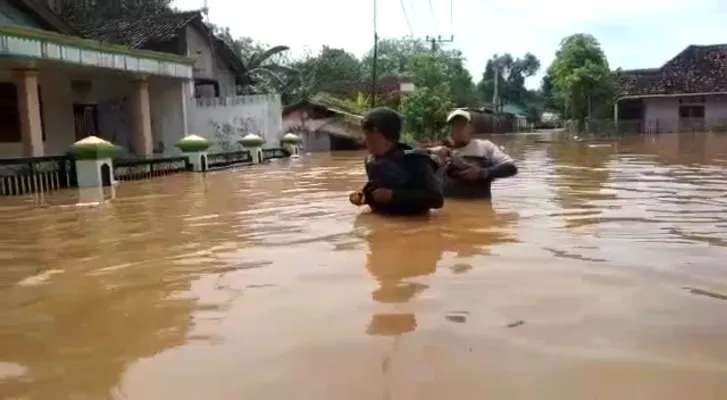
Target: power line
<point>434,40</point>
<point>451,15</point>
<point>406,17</point>
<point>434,16</point>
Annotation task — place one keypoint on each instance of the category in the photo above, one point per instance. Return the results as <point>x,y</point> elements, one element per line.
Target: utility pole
<point>376,56</point>
<point>438,39</point>
<point>496,100</point>
<point>496,91</point>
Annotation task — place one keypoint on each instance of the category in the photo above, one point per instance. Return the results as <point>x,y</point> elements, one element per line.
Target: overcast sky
<point>633,33</point>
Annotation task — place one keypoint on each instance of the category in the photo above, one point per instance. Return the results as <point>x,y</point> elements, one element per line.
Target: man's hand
<point>357,198</point>
<point>472,174</point>
<point>381,195</point>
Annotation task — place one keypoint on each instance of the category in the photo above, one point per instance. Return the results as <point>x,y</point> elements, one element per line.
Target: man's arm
<point>503,165</point>
<point>428,191</point>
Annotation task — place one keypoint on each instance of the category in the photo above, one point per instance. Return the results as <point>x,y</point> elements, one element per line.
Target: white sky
<point>634,33</point>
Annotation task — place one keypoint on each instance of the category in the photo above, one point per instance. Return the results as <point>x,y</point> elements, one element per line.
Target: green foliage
<point>425,110</point>
<point>580,78</point>
<point>511,76</point>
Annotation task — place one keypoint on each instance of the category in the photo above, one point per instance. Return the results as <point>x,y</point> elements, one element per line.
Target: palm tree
<point>262,73</point>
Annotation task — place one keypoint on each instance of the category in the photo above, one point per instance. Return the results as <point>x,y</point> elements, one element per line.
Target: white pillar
<point>141,119</point>
<point>31,128</point>
<point>198,159</point>
<point>292,148</point>
<point>92,173</point>
<point>256,153</point>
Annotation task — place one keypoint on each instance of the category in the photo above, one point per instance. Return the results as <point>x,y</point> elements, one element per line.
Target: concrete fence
<point>224,120</point>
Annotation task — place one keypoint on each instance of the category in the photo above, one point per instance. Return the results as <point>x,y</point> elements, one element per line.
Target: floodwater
<point>598,272</point>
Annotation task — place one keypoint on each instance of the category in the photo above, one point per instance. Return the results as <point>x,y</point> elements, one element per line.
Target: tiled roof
<point>49,18</point>
<point>138,32</point>
<point>697,69</point>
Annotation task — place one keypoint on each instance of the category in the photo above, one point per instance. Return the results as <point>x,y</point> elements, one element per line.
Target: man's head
<point>382,130</point>
<point>460,125</point>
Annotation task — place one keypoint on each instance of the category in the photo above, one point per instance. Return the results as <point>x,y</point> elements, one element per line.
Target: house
<point>519,114</point>
<point>687,93</point>
<point>56,87</point>
<point>486,120</point>
<point>218,70</point>
<point>323,126</point>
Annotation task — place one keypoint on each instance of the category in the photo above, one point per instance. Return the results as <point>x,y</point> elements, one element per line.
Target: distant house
<point>323,126</point>
<point>687,93</point>
<point>217,71</point>
<point>519,113</point>
<point>486,120</point>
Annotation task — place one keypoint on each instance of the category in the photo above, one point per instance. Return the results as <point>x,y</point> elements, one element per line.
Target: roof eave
<point>46,15</point>
<point>666,95</point>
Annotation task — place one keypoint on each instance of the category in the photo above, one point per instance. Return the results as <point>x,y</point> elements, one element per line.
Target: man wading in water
<point>474,163</point>
<point>400,180</point>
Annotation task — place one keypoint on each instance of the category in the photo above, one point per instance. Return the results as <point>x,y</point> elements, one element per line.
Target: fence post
<point>94,162</point>
<point>195,149</point>
<point>254,144</point>
<point>291,143</point>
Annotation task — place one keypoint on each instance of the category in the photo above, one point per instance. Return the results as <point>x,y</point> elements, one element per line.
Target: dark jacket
<point>412,177</point>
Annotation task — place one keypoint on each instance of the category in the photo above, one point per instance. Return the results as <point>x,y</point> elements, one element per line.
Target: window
<point>691,112</point>
<point>10,116</point>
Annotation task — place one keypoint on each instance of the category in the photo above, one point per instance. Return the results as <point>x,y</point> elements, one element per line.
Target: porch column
<point>31,129</point>
<point>141,119</point>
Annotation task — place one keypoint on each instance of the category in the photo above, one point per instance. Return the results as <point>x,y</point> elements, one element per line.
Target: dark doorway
<point>691,118</point>
<point>340,143</point>
<point>631,117</point>
<point>85,117</point>
<point>105,175</point>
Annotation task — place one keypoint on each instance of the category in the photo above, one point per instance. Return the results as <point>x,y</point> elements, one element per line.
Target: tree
<point>332,70</point>
<point>262,74</point>
<point>266,67</point>
<point>425,110</point>
<point>580,77</point>
<point>396,57</point>
<point>511,75</point>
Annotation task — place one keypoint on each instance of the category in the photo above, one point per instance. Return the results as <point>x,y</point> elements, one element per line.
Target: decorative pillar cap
<point>93,148</point>
<point>252,140</point>
<point>193,143</point>
<point>290,138</point>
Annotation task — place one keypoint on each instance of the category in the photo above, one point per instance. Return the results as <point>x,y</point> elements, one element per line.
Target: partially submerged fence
<point>609,127</point>
<point>35,175</point>
<point>136,169</point>
<point>24,176</point>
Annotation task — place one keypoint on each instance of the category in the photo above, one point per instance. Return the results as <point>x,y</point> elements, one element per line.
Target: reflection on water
<point>597,271</point>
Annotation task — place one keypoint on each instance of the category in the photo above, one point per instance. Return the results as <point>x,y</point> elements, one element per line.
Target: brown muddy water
<point>598,272</point>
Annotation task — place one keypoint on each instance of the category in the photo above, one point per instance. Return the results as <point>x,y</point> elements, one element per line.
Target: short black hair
<point>384,120</point>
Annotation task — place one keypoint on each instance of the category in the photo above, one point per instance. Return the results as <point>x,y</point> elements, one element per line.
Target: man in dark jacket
<point>475,163</point>
<point>400,180</point>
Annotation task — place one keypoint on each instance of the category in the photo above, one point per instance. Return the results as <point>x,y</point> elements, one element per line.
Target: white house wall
<point>199,49</point>
<point>168,99</point>
<point>110,93</point>
<point>57,115</point>
<point>661,114</point>
<point>225,79</point>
